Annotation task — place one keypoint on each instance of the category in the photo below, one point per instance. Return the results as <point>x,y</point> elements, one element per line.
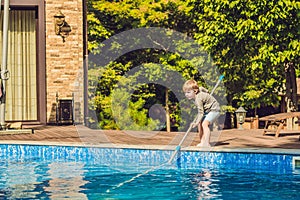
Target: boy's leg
<point>200,130</point>
<point>206,134</point>
<point>209,119</point>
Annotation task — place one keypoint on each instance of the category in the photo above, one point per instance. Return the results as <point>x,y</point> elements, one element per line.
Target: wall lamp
<point>62,28</point>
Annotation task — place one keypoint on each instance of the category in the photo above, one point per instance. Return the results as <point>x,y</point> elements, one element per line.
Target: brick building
<point>45,60</point>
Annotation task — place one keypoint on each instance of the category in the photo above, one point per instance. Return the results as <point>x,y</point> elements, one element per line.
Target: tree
<point>252,42</point>
<point>109,18</point>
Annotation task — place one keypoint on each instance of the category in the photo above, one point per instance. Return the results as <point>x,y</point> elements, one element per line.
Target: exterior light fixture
<point>240,116</point>
<point>62,28</point>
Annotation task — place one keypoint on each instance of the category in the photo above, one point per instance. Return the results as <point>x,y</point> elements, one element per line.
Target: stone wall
<point>64,60</point>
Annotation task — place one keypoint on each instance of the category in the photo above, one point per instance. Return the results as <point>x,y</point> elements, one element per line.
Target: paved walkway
<point>230,139</point>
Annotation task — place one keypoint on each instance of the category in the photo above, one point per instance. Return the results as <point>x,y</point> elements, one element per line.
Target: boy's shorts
<point>211,116</point>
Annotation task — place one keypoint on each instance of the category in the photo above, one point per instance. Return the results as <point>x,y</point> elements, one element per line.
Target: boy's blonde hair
<point>190,85</point>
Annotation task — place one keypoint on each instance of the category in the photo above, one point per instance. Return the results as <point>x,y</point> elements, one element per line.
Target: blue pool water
<point>60,172</point>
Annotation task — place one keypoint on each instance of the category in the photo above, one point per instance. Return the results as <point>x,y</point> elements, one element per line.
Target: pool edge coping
<point>158,147</point>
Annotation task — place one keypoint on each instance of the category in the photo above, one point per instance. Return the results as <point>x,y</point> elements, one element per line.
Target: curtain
<point>21,87</point>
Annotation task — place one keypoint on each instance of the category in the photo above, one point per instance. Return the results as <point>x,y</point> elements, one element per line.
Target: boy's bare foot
<point>207,145</point>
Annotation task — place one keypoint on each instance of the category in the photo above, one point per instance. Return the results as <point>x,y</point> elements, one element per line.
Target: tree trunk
<point>168,125</point>
<point>291,87</point>
<point>291,93</point>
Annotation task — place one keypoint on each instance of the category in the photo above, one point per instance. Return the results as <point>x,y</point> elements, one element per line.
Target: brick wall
<point>64,60</point>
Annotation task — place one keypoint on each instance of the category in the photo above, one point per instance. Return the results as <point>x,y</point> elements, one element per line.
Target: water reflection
<point>20,182</point>
<point>31,180</point>
<point>66,181</point>
<point>205,186</point>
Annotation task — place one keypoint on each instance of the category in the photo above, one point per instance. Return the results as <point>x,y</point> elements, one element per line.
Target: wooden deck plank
<point>230,138</point>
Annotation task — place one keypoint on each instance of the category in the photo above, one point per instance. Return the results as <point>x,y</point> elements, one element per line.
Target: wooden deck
<point>80,135</point>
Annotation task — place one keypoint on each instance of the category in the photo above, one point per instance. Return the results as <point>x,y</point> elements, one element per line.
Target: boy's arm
<point>200,108</point>
<point>198,119</point>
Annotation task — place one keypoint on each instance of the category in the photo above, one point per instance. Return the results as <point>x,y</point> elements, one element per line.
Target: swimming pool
<point>62,172</point>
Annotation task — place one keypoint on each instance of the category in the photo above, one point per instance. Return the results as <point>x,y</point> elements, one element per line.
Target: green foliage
<point>250,42</point>
<point>116,107</point>
<point>107,18</point>
<point>228,109</point>
<point>111,17</point>
<point>130,115</point>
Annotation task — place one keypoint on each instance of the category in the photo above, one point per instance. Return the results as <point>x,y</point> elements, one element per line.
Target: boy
<point>208,109</point>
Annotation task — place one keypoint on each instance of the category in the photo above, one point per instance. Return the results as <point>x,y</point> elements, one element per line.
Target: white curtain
<point>21,87</point>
